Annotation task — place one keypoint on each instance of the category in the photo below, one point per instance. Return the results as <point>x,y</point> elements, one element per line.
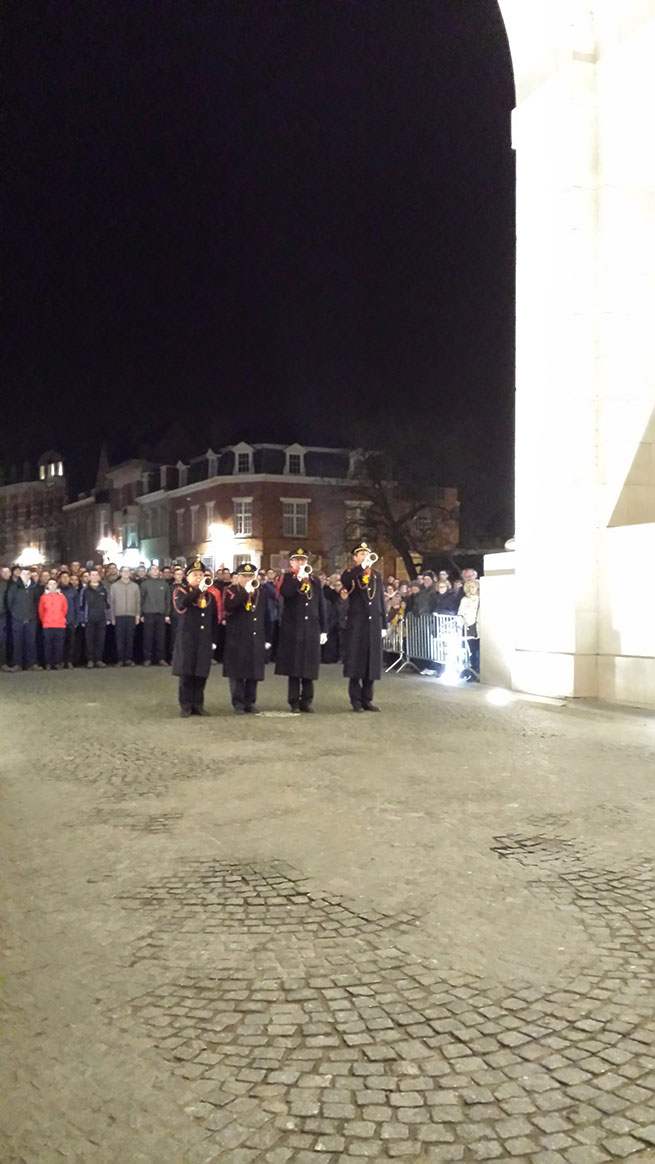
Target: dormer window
<point>51,469</point>
<point>295,461</point>
<point>162,476</point>
<point>242,459</point>
<point>212,463</point>
<point>183,472</point>
<point>42,472</point>
<point>60,468</point>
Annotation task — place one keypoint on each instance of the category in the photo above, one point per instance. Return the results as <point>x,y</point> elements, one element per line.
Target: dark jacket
<point>196,629</point>
<point>362,655</point>
<point>155,596</point>
<point>5,583</point>
<point>302,623</point>
<point>94,603</point>
<point>425,602</point>
<point>447,603</point>
<point>245,633</point>
<point>22,600</point>
<point>72,597</point>
<point>273,605</point>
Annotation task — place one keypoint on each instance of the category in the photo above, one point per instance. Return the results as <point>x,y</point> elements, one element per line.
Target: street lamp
<point>221,539</point>
<point>30,556</point>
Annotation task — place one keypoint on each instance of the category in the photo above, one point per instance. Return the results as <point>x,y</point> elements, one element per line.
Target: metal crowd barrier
<point>429,638</point>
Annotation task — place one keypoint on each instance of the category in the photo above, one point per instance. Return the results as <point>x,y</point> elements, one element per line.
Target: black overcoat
<point>302,623</point>
<point>362,653</point>
<point>195,631</point>
<point>244,655</point>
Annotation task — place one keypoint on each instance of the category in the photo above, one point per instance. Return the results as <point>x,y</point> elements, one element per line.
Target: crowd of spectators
<point>98,615</point>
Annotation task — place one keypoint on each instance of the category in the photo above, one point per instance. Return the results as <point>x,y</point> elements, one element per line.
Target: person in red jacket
<point>53,608</point>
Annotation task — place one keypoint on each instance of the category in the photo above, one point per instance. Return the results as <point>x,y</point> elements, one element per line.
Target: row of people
<point>241,606</point>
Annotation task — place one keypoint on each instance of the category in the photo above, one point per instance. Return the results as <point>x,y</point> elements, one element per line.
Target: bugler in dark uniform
<point>302,631</point>
<point>366,625</point>
<point>244,605</point>
<point>196,629</point>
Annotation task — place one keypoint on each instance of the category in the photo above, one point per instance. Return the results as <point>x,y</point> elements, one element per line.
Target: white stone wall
<point>585,344</point>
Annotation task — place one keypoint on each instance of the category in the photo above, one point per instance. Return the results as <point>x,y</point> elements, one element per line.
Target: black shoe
<point>251,710</point>
<point>239,710</point>
<point>357,707</point>
<point>295,708</point>
<point>370,707</point>
<point>199,711</point>
<point>307,707</point>
<point>185,712</point>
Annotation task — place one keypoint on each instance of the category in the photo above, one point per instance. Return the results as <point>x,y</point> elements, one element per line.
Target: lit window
<point>209,506</point>
<point>294,519</point>
<point>60,468</point>
<point>295,464</point>
<point>42,472</point>
<point>51,469</point>
<point>242,517</point>
<point>243,462</point>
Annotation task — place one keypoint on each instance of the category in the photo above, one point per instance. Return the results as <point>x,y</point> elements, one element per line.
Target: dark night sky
<point>270,217</point>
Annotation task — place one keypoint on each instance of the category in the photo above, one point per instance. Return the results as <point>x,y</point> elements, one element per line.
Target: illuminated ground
<point>424,934</point>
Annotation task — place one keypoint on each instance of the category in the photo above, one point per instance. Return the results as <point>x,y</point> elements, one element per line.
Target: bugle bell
<point>305,570</point>
<point>370,559</point>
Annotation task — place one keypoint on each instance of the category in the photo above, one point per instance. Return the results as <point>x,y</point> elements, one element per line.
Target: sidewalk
<point>424,934</point>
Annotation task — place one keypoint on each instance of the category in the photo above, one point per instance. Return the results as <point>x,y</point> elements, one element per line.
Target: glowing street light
<point>221,538</point>
<point>30,556</point>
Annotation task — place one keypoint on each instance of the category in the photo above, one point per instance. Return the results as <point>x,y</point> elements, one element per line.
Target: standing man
<point>244,658</point>
<point>21,604</point>
<point>95,606</point>
<point>155,614</point>
<point>125,605</point>
<point>196,626</point>
<point>5,582</point>
<point>303,631</point>
<point>366,626</point>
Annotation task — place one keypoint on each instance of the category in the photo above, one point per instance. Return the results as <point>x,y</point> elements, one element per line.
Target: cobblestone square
<point>426,934</point>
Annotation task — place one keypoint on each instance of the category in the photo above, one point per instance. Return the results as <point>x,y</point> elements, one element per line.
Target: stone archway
<point>585,380</point>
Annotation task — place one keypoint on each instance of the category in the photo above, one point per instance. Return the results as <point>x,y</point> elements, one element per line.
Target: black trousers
<point>95,641</point>
<point>298,685</point>
<point>69,644</point>
<point>360,692</point>
<point>243,692</point>
<point>192,692</point>
<point>53,645</point>
<point>125,624</point>
<point>154,637</point>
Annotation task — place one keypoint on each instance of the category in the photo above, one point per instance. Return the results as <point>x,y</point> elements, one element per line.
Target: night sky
<point>256,217</point>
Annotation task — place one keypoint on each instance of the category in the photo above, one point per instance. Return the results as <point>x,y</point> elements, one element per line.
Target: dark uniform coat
<point>303,622</point>
<point>196,628</point>
<point>244,655</point>
<point>362,654</point>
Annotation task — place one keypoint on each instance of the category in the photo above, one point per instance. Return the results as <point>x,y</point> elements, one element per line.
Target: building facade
<point>31,513</point>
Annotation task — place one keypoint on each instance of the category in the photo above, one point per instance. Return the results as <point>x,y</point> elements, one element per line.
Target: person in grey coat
<point>125,606</point>
<point>155,614</point>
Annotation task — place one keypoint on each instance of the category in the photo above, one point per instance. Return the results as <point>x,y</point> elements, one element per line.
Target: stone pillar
<point>585,378</point>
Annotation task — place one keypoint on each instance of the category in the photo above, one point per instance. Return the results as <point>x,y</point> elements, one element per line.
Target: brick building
<point>31,512</point>
<point>259,501</point>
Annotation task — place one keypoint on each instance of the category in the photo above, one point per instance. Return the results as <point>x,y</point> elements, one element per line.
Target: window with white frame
<point>131,537</point>
<point>183,473</point>
<point>194,522</point>
<point>239,559</point>
<point>242,517</point>
<point>179,514</point>
<point>295,461</point>
<point>209,513</point>
<point>294,517</point>
<point>212,464</point>
<point>423,522</point>
<point>357,519</point>
<point>243,462</point>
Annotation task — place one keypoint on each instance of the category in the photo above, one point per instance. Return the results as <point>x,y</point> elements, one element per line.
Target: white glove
<point>267,646</point>
<point>323,638</point>
<point>203,584</point>
<point>250,585</point>
<point>384,633</point>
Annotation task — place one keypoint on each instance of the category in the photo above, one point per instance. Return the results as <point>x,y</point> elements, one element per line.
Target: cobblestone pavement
<point>423,934</point>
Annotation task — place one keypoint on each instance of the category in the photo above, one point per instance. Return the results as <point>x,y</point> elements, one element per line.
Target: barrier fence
<point>424,639</point>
